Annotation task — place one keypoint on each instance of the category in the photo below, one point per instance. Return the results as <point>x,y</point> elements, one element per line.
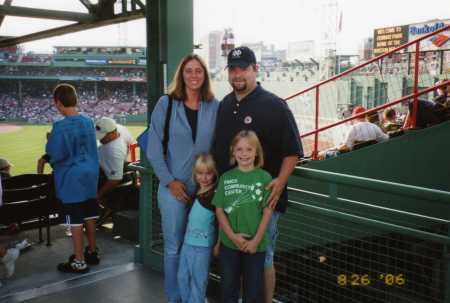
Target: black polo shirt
<point>270,118</point>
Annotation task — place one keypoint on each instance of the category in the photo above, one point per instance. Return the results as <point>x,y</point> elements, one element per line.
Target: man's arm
<point>278,184</point>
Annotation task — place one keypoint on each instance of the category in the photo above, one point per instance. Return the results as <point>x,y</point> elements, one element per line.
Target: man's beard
<point>239,87</point>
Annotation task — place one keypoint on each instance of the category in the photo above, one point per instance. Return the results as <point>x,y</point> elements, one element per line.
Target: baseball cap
<point>103,126</point>
<point>241,57</point>
<point>358,110</point>
<point>4,164</point>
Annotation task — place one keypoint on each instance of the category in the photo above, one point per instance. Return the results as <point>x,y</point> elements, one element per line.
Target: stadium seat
<point>29,198</point>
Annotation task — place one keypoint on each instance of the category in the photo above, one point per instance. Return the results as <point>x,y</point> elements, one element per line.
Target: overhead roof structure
<point>98,13</point>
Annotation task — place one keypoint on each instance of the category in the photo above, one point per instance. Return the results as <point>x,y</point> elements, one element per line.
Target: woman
<point>191,129</point>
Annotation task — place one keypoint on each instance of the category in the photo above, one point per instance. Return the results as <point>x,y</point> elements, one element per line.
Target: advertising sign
<point>389,38</point>
<point>122,61</point>
<point>440,41</point>
<point>96,61</point>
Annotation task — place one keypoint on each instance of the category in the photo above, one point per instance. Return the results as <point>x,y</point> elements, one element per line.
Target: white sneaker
<point>68,231</point>
<point>9,260</point>
<point>22,245</point>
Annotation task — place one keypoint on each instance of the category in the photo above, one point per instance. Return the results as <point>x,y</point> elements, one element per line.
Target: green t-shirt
<point>243,196</point>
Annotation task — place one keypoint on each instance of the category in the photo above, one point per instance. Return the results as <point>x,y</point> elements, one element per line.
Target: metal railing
<point>332,249</point>
<point>327,254</point>
<point>415,89</point>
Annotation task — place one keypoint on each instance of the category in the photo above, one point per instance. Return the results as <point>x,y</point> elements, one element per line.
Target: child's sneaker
<point>91,257</point>
<point>9,260</point>
<point>73,265</point>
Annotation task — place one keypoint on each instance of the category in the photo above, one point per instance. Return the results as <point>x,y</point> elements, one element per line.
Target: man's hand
<point>276,187</point>
<point>40,165</point>
<point>178,190</point>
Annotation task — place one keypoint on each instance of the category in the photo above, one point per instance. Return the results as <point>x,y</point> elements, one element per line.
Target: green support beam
<point>21,11</point>
<point>5,3</point>
<point>169,38</point>
<point>72,28</point>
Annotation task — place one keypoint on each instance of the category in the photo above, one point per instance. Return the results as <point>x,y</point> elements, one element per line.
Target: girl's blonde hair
<point>204,161</point>
<point>177,88</point>
<point>253,140</point>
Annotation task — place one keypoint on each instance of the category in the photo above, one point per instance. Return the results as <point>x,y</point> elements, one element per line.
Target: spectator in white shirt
<point>363,131</point>
<point>360,132</point>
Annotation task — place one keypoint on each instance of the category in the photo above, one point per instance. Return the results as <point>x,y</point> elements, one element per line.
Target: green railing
<point>333,248</point>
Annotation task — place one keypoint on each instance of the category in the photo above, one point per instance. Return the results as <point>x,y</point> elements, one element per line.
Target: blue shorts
<point>272,235</point>
<point>76,213</point>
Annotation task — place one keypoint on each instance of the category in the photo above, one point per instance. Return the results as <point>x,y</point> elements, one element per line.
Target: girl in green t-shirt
<point>243,215</point>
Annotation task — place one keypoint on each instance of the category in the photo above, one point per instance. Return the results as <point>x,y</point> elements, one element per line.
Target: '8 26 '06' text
<point>353,279</point>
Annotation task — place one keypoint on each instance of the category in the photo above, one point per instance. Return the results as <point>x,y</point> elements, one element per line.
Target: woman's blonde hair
<point>204,161</point>
<point>253,140</point>
<point>177,88</point>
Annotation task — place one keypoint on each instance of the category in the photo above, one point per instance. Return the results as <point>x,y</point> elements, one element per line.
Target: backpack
<point>142,139</point>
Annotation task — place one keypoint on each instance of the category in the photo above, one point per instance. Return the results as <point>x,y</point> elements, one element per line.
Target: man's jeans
<point>193,273</point>
<point>234,263</point>
<point>173,223</point>
<point>272,235</point>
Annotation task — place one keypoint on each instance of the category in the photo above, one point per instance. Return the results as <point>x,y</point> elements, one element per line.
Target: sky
<point>275,22</point>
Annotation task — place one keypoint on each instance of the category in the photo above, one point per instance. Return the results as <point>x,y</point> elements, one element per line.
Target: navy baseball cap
<point>241,57</point>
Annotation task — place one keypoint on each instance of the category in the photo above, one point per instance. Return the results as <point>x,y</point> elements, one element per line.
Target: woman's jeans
<point>173,223</point>
<point>193,273</point>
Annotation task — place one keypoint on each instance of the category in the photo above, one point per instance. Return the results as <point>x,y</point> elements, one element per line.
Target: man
<point>443,97</point>
<point>112,155</point>
<point>428,114</point>
<point>363,131</point>
<point>249,106</point>
<point>5,169</point>
<point>7,256</point>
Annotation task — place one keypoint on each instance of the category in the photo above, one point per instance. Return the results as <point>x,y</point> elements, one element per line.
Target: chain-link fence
<point>352,251</point>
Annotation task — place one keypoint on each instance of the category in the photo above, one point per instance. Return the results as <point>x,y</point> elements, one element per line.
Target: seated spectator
<point>443,97</point>
<point>363,131</point>
<point>9,255</point>
<point>112,156</point>
<point>360,132</point>
<point>428,114</point>
<point>5,169</point>
<point>390,123</point>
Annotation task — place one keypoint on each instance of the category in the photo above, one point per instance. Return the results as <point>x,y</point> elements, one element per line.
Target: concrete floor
<point>116,279</point>
<point>126,283</point>
<point>36,277</point>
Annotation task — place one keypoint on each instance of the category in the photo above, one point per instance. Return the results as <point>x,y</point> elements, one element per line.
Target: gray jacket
<point>181,149</point>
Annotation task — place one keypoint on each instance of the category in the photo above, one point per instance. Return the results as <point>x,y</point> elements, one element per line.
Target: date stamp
<point>362,279</point>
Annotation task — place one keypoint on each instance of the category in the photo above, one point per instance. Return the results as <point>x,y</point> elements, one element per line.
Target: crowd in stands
<point>43,71</point>
<point>374,128</point>
<point>36,105</point>
<point>281,74</point>
<point>431,63</point>
<point>36,59</point>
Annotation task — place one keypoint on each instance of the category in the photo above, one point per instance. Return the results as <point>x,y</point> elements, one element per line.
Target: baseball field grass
<point>22,146</point>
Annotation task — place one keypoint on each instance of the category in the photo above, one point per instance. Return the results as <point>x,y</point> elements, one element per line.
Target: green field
<point>23,147</point>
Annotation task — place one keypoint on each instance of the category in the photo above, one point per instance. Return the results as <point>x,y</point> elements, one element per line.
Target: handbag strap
<point>165,141</point>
